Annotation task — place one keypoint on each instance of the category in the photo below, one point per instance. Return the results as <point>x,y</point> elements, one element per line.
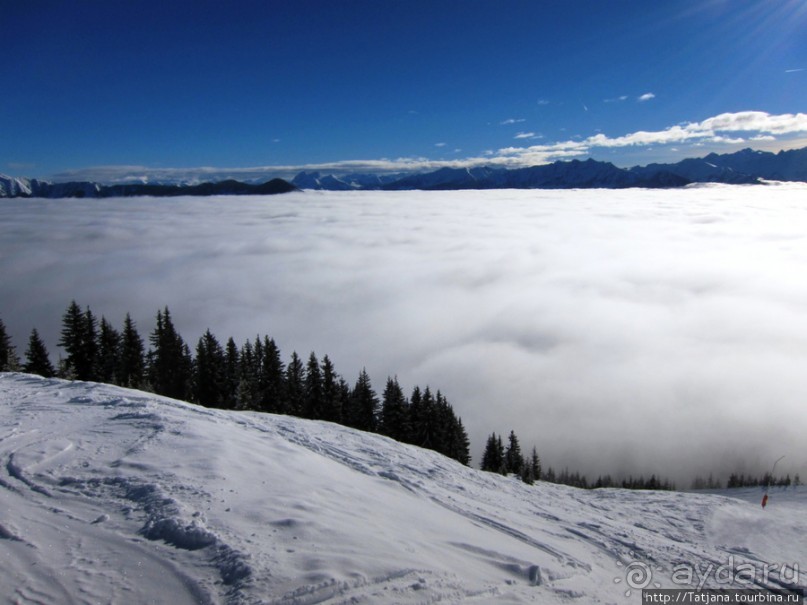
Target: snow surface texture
<point>578,318</point>
<point>109,495</point>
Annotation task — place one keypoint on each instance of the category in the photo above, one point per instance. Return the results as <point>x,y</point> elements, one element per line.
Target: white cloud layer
<point>633,331</point>
<point>725,129</point>
<point>646,97</point>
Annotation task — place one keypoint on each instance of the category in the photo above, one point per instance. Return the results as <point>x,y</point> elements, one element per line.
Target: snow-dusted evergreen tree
<point>344,391</point>
<point>90,357</point>
<point>462,444</point>
<point>442,425</point>
<point>248,378</point>
<point>171,367</point>
<point>272,381</point>
<point>416,414</point>
<point>232,375</point>
<point>451,438</point>
<point>253,377</point>
<point>535,465</point>
<point>295,386</point>
<point>37,360</point>
<point>394,421</point>
<point>314,400</point>
<point>333,400</point>
<point>513,459</point>
<point>131,370</point>
<point>423,419</point>
<point>209,378</point>
<point>526,473</point>
<point>364,405</point>
<point>8,357</point>
<point>493,456</point>
<point>78,338</point>
<point>71,340</point>
<point>109,353</point>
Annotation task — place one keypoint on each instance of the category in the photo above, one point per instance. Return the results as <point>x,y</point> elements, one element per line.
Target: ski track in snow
<point>117,496</point>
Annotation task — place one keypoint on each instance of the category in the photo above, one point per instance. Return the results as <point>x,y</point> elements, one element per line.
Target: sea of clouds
<point>618,331</point>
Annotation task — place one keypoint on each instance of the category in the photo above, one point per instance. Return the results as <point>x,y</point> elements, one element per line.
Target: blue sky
<point>115,90</point>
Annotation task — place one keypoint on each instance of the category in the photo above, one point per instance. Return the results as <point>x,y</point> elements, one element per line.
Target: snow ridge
<point>113,495</point>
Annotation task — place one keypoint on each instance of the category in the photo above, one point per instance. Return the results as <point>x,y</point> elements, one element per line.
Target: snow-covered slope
<point>117,496</point>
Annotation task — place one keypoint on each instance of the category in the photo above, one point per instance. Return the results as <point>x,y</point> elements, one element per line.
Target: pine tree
<point>493,456</point>
<point>527,475</point>
<point>535,465</point>
<point>394,421</point>
<point>364,404</point>
<point>131,370</point>
<point>450,436</point>
<point>487,455</point>
<point>232,375</point>
<point>443,425</point>
<point>344,400</point>
<point>209,372</point>
<point>272,378</point>
<point>295,386</point>
<point>71,338</point>
<point>416,415</point>
<point>171,365</point>
<point>314,399</point>
<point>89,366</point>
<point>8,357</point>
<point>109,353</point>
<point>256,377</point>
<point>331,392</point>
<point>79,340</point>
<point>513,459</point>
<point>37,360</point>
<point>423,418</point>
<point>249,378</point>
<point>462,453</point>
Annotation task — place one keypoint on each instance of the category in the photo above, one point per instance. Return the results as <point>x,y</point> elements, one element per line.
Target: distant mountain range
<point>20,187</point>
<point>743,167</point>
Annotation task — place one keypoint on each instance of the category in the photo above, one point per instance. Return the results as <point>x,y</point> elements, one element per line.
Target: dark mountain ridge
<point>742,167</point>
<point>15,187</point>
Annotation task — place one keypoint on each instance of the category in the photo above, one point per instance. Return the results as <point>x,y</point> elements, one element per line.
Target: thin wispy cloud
<point>726,129</point>
<point>793,71</point>
<point>618,99</point>
<point>440,144</point>
<point>524,135</point>
<point>646,97</point>
<point>511,121</point>
<point>21,165</point>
